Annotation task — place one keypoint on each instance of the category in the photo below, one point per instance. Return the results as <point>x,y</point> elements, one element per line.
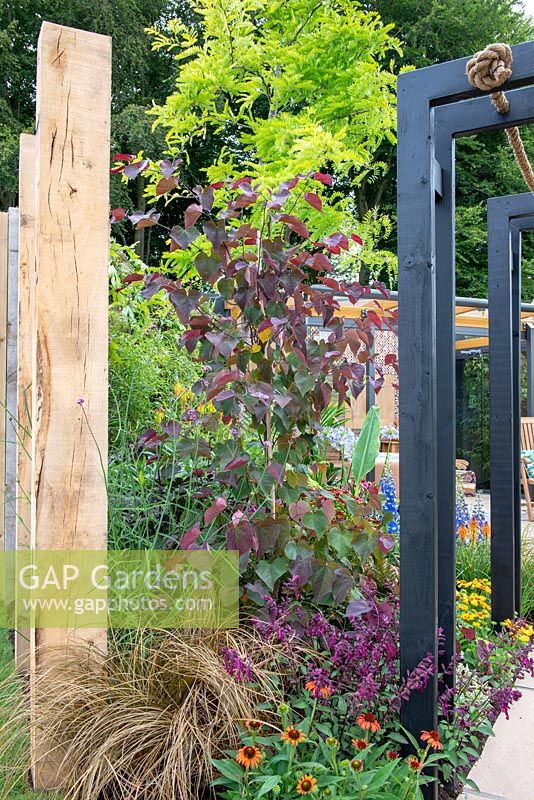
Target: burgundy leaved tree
<point>262,276</point>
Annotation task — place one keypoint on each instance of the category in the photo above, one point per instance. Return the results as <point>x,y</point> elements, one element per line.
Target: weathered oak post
<point>26,352</point>
<point>3,363</point>
<point>69,438</point>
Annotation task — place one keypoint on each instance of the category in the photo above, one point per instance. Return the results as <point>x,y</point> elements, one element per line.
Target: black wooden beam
<point>430,116</point>
<point>507,217</point>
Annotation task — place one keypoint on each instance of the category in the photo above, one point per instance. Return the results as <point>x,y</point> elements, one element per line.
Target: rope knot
<point>491,67</point>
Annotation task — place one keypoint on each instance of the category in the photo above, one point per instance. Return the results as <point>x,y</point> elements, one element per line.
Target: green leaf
<point>305,381</point>
<point>367,446</point>
<point>270,571</point>
<point>228,768</point>
<point>268,783</point>
<point>340,542</point>
<point>316,521</point>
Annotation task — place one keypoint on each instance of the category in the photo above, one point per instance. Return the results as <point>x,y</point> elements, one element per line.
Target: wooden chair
<point>527,443</point>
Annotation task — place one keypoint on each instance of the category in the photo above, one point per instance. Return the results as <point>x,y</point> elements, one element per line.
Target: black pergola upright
<point>435,105</point>
<point>507,218</point>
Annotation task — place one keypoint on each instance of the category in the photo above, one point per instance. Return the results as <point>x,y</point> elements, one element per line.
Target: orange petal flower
<point>368,722</point>
<point>249,756</point>
<point>293,736</point>
<point>306,784</point>
<point>359,744</point>
<point>392,755</point>
<point>324,691</point>
<point>414,763</point>
<point>432,737</point>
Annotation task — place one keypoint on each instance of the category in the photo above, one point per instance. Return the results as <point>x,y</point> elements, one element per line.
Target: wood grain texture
<point>69,439</point>
<point>26,352</point>
<point>11,380</point>
<point>3,346</point>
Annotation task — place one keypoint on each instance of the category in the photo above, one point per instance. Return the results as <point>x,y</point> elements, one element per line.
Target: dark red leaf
<point>215,233</point>
<point>148,437</point>
<point>168,168</point>
<point>142,219</point>
<point>314,200</point>
<point>133,277</point>
<point>237,462</point>
<point>172,428</point>
<point>241,537</point>
<point>123,157</point>
<point>117,214</point>
<point>336,242</point>
<point>190,537</point>
<point>214,510</point>
<point>276,471</point>
<point>133,169</point>
<point>374,318</point>
<point>192,213</point>
<point>153,283</point>
<point>469,634</point>
<point>323,178</point>
<point>184,303</point>
<point>205,197</point>
<point>183,237</point>
<point>165,185</point>
<point>240,181</point>
<point>357,239</point>
<point>321,263</point>
<point>295,224</point>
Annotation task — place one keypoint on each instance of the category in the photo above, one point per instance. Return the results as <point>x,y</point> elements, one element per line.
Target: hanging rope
<point>487,70</point>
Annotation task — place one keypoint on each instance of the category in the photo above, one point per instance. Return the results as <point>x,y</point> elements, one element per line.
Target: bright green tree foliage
<point>293,86</point>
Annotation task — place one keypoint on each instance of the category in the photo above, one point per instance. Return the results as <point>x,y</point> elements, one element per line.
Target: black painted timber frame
<point>435,105</point>
<point>507,218</point>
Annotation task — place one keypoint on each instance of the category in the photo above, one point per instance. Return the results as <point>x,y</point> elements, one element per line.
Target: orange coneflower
<point>414,763</point>
<point>253,725</point>
<point>359,744</point>
<point>392,755</point>
<point>249,756</point>
<point>293,736</point>
<point>356,764</point>
<point>368,722</point>
<point>432,737</point>
<point>306,784</point>
<point>324,691</point>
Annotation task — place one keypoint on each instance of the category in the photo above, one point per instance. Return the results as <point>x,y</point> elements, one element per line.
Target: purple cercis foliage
<point>259,275</point>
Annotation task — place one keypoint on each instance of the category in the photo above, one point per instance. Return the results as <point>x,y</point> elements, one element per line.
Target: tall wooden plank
<point>26,352</point>
<point>3,346</point>
<point>11,380</point>
<point>69,387</point>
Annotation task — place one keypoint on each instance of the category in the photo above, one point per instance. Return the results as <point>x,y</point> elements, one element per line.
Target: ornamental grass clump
<point>146,721</point>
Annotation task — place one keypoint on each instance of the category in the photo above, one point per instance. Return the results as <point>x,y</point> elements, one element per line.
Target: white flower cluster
<point>340,438</point>
<point>389,433</point>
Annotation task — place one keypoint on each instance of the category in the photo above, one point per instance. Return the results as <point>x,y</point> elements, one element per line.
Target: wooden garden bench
<point>527,462</point>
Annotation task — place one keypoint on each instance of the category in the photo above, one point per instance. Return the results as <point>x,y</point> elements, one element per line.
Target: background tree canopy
<point>277,96</point>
